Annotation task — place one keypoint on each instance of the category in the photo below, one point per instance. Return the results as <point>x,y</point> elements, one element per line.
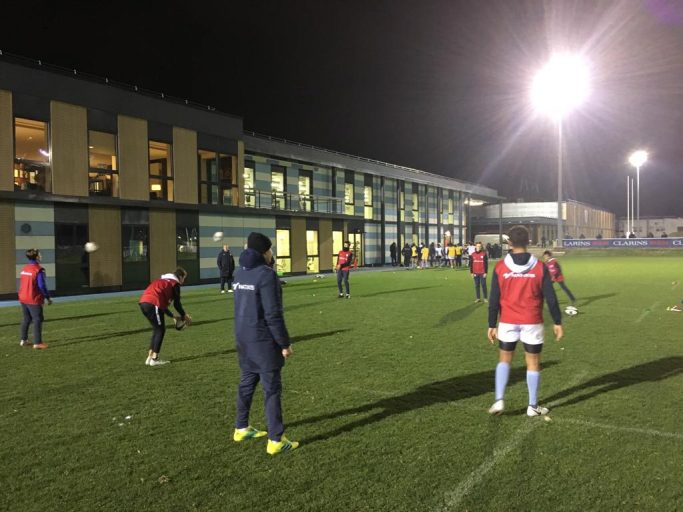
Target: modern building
<point>580,219</point>
<point>151,179</point>
<point>653,227</point>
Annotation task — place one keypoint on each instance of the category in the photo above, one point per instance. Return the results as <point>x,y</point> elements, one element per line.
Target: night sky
<point>436,85</point>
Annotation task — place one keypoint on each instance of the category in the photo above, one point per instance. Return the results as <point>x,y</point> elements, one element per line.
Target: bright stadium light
<point>561,86</point>
<point>557,89</point>
<point>637,160</point>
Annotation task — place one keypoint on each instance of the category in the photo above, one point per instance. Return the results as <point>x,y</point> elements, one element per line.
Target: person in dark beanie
<point>262,343</point>
<point>154,304</point>
<point>33,293</point>
<point>226,267</point>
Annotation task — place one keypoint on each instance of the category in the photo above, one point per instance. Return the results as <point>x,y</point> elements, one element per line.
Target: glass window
<point>312,259</point>
<point>415,202</point>
<point>160,171</point>
<point>367,198</point>
<point>207,165</point>
<point>337,245</point>
<point>348,198</point>
<point>277,186</point>
<point>305,190</point>
<point>103,176</point>
<point>226,175</point>
<point>72,263</point>
<point>31,156</point>
<point>187,244</point>
<point>249,185</point>
<point>283,261</point>
<point>450,210</point>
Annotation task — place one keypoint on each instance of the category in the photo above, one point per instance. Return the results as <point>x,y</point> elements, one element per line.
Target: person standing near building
<point>406,255</point>
<point>392,253</point>
<point>479,267</point>
<point>342,268</point>
<point>263,343</point>
<point>33,293</point>
<point>519,285</point>
<point>424,256</point>
<point>556,273</point>
<point>226,267</point>
<point>457,255</point>
<point>154,304</point>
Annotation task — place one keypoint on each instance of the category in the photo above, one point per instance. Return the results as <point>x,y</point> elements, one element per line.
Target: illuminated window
<point>160,171</point>
<point>283,260</point>
<point>31,156</point>
<point>312,259</point>
<point>305,190</point>
<point>450,210</point>
<point>277,187</point>
<point>402,203</point>
<point>337,245</point>
<point>216,177</point>
<point>103,176</point>
<point>348,198</point>
<point>367,200</point>
<point>249,185</point>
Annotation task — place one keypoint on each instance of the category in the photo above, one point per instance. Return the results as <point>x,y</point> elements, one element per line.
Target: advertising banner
<point>624,243</point>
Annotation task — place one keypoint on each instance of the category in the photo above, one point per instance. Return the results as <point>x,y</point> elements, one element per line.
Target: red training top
<point>478,264</point>
<point>555,270</point>
<point>521,294</point>
<point>29,293</point>
<point>344,260</point>
<point>159,293</point>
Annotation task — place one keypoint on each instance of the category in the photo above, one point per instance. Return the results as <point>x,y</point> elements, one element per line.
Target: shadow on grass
<point>457,315</point>
<point>652,371</point>
<point>121,334</point>
<point>76,317</point>
<point>588,300</point>
<point>293,339</point>
<point>445,391</point>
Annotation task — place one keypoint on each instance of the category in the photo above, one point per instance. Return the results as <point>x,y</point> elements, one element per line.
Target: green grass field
<point>387,393</point>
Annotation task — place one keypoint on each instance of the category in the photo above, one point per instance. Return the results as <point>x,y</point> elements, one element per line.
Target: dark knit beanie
<point>259,242</point>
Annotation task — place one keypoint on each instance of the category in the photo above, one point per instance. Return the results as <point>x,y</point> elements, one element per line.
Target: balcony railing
<point>292,202</point>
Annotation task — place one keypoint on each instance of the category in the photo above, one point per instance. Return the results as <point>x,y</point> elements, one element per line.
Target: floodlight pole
<point>638,194</point>
<point>560,224</point>
<point>628,205</point>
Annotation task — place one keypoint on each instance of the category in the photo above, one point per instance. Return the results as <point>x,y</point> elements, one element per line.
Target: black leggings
<point>156,318</point>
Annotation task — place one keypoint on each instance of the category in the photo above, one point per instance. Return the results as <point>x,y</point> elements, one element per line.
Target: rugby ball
<point>180,324</point>
<point>91,247</point>
<point>571,311</point>
<point>218,236</point>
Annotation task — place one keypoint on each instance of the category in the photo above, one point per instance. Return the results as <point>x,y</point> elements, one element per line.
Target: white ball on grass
<point>91,247</point>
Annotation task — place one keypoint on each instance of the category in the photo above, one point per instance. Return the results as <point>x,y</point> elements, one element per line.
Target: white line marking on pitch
<point>647,312</point>
<point>616,428</point>
<point>454,498</point>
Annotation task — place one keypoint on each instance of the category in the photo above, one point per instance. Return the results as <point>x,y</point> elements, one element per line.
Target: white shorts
<point>531,334</point>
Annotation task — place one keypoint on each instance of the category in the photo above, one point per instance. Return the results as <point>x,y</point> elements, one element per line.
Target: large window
<point>416,202</point>
<point>305,190</point>
<point>312,256</point>
<point>160,171</point>
<point>402,203</point>
<point>72,263</point>
<point>103,176</point>
<point>249,184</point>
<point>283,261</point>
<point>367,197</point>
<point>31,156</point>
<point>207,164</point>
<point>226,177</point>
<point>278,187</point>
<point>450,208</point>
<point>187,244</point>
<point>337,245</point>
<point>135,247</point>
<point>348,198</point>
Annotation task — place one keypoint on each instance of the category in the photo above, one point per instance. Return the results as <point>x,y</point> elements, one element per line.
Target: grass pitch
<point>387,393</point>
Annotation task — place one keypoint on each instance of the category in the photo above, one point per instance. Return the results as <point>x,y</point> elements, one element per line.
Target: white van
<point>491,239</point>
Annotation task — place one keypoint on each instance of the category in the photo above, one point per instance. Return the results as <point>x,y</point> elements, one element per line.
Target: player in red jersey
<point>154,304</point>
<point>519,285</point>
<point>479,267</point>
<point>556,273</point>
<point>343,267</point>
<point>33,293</point>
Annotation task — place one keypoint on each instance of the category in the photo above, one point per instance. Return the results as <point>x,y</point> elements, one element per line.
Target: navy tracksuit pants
<point>480,281</point>
<point>33,313</point>
<point>272,392</point>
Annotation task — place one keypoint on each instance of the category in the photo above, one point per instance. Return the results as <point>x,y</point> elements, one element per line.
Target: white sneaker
<point>149,358</point>
<point>157,362</point>
<point>230,290</point>
<point>25,343</point>
<point>348,295</point>
<point>537,411</point>
<point>222,291</point>
<point>497,408</point>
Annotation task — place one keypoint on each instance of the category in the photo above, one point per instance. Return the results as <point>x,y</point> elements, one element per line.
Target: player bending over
<point>519,284</point>
<point>154,304</point>
<point>556,273</point>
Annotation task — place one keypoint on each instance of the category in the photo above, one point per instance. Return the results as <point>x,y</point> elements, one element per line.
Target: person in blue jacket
<point>262,342</point>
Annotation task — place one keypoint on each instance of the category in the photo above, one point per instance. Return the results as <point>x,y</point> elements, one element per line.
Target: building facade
<point>580,220</point>
<point>151,179</point>
<point>653,227</point>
